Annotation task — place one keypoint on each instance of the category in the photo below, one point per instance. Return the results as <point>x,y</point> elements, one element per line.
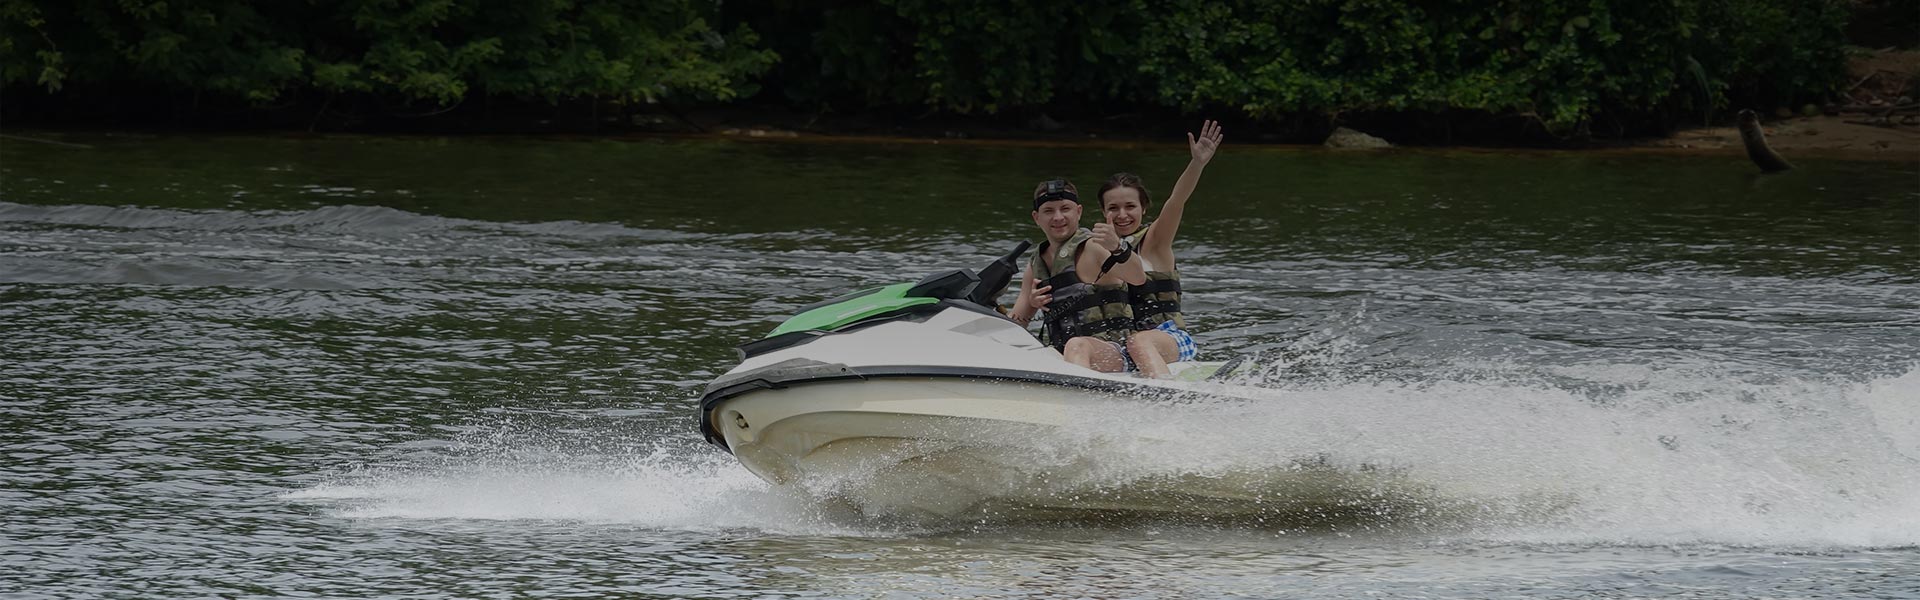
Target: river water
<point>467,368</point>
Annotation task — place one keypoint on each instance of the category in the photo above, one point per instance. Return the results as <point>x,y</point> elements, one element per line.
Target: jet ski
<point>922,398</point>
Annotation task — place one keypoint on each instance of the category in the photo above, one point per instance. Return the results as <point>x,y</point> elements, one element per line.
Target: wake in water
<point>667,488</point>
<point>1634,455</point>
<point>1653,456</point>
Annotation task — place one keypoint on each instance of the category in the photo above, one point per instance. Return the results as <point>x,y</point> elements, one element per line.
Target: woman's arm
<point>1132,272</point>
<point>1102,246</point>
<point>1159,240</point>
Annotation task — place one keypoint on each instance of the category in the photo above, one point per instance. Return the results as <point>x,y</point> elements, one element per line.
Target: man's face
<point>1058,218</point>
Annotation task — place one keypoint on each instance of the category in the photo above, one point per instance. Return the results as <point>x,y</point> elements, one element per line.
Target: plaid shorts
<point>1188,351</point>
<point>1181,339</point>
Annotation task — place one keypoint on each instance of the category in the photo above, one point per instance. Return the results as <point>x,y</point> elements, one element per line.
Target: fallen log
<point>1756,141</point>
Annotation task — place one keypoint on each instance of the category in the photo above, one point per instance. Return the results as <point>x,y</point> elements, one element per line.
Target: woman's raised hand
<point>1209,141</point>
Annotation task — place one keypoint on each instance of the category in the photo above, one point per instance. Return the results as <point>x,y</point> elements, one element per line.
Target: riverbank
<point>1818,135</point>
<point>1880,78</point>
<point>1821,135</point>
<point>1883,77</point>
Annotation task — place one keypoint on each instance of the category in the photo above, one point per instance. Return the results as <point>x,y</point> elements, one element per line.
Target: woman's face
<point>1121,208</point>
<point>1059,219</point>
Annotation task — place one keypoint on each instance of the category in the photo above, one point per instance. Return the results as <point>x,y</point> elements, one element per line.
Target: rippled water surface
<point>355,367</point>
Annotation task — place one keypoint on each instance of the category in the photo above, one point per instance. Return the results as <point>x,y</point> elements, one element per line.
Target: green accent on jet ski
<point>853,310</point>
<point>1209,370</point>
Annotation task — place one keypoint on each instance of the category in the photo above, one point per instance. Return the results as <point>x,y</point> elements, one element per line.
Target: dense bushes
<point>431,51</point>
<point>1562,62</point>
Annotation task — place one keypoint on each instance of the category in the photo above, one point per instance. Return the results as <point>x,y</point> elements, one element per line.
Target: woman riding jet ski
<point>918,398</point>
<point>923,398</point>
<point>1126,319</point>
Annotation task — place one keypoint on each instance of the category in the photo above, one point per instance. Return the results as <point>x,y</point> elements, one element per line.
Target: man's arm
<point>1034,295</point>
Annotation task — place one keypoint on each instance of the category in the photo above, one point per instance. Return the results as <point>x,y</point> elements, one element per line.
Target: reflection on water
<point>464,368</point>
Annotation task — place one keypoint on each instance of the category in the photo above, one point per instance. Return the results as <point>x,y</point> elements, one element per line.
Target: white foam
<point>1602,454</point>
<point>666,489</point>
<point>1653,456</point>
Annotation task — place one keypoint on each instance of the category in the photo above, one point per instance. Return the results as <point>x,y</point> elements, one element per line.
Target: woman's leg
<point>1095,353</point>
<point>1152,350</point>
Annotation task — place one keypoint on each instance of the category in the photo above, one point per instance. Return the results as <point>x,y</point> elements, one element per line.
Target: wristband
<point>1125,254</point>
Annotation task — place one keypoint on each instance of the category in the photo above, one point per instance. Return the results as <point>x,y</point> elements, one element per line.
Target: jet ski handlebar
<point>995,276</point>
<point>983,288</point>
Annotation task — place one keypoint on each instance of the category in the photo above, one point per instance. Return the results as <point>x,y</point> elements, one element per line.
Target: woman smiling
<point>1160,335</point>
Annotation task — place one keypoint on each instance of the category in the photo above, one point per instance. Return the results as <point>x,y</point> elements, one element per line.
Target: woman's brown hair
<point>1125,180</point>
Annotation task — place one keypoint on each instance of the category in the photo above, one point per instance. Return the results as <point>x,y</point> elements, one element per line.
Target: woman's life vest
<point>1078,308</point>
<point>1158,300</point>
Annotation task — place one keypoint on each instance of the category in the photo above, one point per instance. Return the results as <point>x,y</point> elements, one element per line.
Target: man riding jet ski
<point>924,380</point>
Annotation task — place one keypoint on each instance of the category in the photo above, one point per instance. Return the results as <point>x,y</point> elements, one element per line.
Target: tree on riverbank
<point>1563,67</point>
<point>396,56</point>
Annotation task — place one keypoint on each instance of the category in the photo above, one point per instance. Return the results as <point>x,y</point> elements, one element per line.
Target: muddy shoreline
<point>1820,136</point>
<point>1815,136</point>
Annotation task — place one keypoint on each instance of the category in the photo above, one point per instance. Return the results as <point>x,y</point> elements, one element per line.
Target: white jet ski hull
<point>963,413</point>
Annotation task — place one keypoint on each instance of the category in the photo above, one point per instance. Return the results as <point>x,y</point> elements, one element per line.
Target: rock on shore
<point>1348,138</point>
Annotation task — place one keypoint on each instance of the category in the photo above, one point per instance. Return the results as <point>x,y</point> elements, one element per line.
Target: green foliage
<point>947,55</point>
<point>1561,62</point>
<point>430,51</point>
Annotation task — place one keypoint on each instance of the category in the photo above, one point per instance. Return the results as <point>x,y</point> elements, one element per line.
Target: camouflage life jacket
<point>1158,300</point>
<point>1078,308</point>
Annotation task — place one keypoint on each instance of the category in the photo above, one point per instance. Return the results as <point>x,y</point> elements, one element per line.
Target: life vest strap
<point>1155,286</point>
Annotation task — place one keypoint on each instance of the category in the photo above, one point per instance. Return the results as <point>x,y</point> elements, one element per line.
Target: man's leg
<point>1095,353</point>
